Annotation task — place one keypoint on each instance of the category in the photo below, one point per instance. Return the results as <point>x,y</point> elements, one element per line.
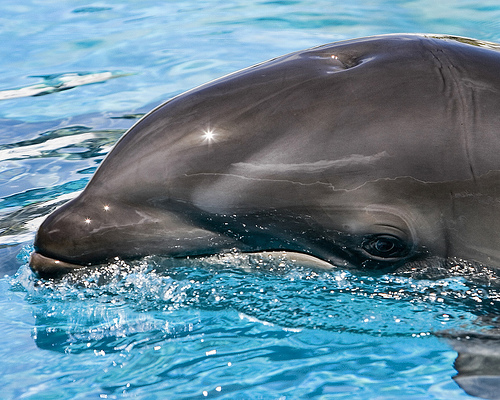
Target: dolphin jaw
<point>46,267</point>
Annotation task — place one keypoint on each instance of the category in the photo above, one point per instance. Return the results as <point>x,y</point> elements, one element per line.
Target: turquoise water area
<point>74,75</point>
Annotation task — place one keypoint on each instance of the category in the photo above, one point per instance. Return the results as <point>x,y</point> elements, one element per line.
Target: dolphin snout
<point>55,244</point>
<point>47,267</point>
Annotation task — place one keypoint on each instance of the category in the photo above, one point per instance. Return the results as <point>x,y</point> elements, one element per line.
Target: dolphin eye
<point>384,246</point>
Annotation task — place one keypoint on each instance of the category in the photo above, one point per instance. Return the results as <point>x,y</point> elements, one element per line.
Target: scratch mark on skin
<point>259,179</point>
<point>313,167</point>
<point>329,185</point>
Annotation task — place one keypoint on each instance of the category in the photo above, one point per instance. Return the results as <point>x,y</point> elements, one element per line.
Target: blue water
<point>74,75</point>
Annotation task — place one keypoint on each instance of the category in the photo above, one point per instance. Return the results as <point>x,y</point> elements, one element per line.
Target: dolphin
<point>374,153</point>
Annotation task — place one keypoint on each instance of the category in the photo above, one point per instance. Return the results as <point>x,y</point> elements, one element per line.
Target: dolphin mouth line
<point>47,267</point>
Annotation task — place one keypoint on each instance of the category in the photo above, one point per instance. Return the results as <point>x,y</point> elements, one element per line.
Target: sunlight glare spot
<point>208,135</point>
<point>88,221</point>
<point>106,208</point>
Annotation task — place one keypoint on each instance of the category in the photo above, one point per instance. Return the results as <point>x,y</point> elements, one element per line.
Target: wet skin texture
<point>369,153</point>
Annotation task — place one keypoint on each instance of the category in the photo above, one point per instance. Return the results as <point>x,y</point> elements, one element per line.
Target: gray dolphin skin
<point>372,153</point>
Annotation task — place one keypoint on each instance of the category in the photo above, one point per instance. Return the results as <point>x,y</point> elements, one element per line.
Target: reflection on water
<point>68,142</point>
<point>224,315</point>
<point>59,82</point>
<point>271,289</point>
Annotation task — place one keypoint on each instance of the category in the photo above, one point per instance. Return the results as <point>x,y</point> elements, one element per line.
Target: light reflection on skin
<point>88,220</point>
<point>209,135</point>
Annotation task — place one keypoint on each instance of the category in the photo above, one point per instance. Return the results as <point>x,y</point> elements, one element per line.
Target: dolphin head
<point>372,153</point>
